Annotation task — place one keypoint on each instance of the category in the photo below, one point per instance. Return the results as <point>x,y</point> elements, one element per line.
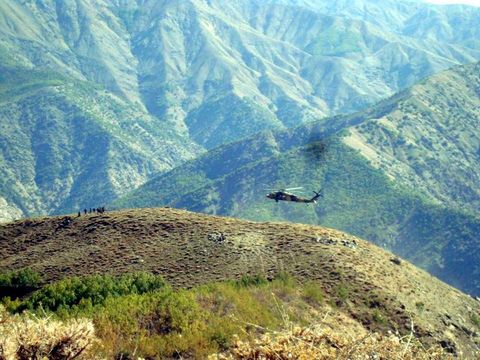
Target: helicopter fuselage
<point>284,196</point>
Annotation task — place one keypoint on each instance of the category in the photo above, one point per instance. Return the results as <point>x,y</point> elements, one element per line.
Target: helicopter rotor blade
<point>294,188</point>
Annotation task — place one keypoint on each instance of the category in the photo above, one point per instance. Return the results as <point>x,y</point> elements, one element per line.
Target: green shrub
<point>20,279</point>
<point>10,305</point>
<point>420,306</point>
<point>378,317</point>
<point>342,292</point>
<point>221,339</point>
<point>91,290</point>
<point>312,293</point>
<point>140,314</point>
<point>476,320</point>
<point>285,279</point>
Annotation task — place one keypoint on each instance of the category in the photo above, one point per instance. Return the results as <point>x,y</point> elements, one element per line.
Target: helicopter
<point>284,195</point>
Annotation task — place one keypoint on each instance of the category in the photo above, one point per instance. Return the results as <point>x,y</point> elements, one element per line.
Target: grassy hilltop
<point>270,275</point>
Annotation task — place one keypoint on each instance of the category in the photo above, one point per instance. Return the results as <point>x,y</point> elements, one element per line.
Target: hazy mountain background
<point>168,74</point>
<point>67,143</point>
<point>274,62</point>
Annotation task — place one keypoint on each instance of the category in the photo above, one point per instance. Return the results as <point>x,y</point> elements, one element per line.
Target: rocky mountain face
<point>271,63</point>
<point>429,140</point>
<point>403,174</point>
<point>209,71</point>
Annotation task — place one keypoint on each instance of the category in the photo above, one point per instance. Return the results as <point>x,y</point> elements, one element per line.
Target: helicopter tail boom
<point>317,195</point>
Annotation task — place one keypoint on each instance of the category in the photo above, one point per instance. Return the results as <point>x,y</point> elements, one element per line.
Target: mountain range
<point>163,81</point>
<point>203,104</point>
<point>67,143</point>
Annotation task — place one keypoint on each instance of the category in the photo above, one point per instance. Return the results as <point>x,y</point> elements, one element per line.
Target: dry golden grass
<point>321,342</point>
<point>332,336</point>
<point>25,337</point>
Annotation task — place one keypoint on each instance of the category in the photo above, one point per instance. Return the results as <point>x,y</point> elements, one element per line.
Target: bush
<point>162,324</point>
<point>88,291</point>
<point>378,317</point>
<point>138,315</point>
<point>189,323</point>
<point>285,279</point>
<point>420,306</point>
<point>10,305</point>
<point>342,292</point>
<point>24,337</point>
<point>312,293</point>
<point>476,320</point>
<point>251,280</point>
<point>20,279</point>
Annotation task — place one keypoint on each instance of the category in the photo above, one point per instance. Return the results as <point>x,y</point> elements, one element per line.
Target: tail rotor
<point>317,195</point>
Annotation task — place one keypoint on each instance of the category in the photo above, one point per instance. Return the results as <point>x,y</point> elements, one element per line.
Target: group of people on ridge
<point>99,210</point>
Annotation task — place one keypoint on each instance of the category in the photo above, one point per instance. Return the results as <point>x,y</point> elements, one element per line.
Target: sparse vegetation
<point>248,280</point>
<point>312,293</point>
<point>328,343</point>
<point>476,320</point>
<point>305,271</point>
<point>244,319</point>
<point>420,306</point>
<point>378,317</point>
<point>140,314</point>
<point>342,292</point>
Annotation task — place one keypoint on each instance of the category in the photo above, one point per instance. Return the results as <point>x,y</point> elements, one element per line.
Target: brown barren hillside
<point>365,282</point>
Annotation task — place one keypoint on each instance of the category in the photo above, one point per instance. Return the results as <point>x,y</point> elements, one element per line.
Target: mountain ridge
<point>64,138</point>
<point>243,49</point>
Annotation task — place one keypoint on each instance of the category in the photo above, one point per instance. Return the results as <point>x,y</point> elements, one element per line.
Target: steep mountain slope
<point>424,208</point>
<point>66,144</point>
<point>430,140</point>
<point>361,278</point>
<point>272,64</point>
